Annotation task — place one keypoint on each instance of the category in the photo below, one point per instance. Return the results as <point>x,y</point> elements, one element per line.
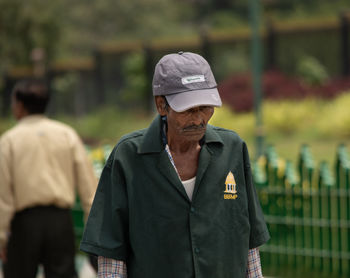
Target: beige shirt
<point>42,162</point>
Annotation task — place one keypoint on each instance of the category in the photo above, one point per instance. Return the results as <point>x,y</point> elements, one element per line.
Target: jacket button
<point>192,209</point>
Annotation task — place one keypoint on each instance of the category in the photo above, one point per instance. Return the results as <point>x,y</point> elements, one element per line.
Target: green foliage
<point>133,69</point>
<point>311,119</point>
<point>26,25</point>
<point>6,124</point>
<point>288,117</point>
<point>334,118</point>
<point>311,70</point>
<point>65,28</point>
<point>225,20</point>
<point>63,88</point>
<point>108,20</point>
<point>243,124</point>
<point>230,61</point>
<point>107,124</point>
<point>292,10</point>
<point>289,124</point>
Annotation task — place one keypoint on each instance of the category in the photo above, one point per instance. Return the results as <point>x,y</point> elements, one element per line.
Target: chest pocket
<point>232,209</point>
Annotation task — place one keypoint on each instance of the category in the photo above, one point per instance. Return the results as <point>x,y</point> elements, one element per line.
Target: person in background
<point>177,200</point>
<point>42,163</point>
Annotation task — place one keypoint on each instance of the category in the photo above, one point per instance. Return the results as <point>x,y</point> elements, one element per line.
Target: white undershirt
<point>189,186</point>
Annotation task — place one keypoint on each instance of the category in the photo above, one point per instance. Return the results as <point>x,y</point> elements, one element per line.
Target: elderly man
<point>42,163</point>
<point>176,200</point>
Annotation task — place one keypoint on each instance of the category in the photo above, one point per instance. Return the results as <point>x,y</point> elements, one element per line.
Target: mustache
<point>194,127</point>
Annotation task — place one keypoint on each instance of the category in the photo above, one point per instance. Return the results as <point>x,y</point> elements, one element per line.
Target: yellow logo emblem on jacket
<point>231,187</point>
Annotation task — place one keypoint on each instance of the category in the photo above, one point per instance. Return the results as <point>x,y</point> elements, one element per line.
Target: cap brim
<point>186,100</point>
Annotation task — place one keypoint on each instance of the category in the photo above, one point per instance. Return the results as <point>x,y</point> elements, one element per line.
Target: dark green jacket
<point>142,215</point>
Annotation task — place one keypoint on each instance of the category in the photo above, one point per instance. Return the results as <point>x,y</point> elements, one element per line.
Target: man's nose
<point>197,118</point>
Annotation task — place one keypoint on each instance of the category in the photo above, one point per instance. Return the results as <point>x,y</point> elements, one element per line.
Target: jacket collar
<point>152,140</point>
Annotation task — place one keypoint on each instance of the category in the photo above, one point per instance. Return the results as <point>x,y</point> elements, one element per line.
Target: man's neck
<point>28,116</point>
<point>183,146</point>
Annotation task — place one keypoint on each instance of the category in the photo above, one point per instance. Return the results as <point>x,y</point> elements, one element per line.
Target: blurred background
<point>98,58</point>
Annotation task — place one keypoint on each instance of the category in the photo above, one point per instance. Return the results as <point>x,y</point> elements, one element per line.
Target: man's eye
<point>204,108</point>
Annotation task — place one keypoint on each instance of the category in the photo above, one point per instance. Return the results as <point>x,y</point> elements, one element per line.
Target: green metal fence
<point>307,209</point>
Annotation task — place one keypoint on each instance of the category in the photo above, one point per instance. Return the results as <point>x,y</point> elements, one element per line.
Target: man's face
<point>189,125</point>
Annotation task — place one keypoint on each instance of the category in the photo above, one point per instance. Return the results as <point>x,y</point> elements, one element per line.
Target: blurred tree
<point>26,25</point>
<point>219,13</point>
<point>90,22</point>
<point>64,27</point>
<point>68,28</point>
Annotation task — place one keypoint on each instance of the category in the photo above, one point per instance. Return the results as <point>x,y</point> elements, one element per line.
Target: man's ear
<point>18,109</point>
<point>161,105</point>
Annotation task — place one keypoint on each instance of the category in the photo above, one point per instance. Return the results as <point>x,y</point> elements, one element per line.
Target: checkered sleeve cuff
<point>110,268</point>
<point>254,264</point>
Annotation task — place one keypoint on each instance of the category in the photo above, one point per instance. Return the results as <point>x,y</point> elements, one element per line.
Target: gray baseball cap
<point>186,80</point>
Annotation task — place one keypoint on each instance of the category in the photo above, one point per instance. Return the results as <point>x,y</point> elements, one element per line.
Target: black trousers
<point>41,235</point>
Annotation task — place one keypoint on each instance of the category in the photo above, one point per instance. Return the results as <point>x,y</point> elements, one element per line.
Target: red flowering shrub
<point>237,91</point>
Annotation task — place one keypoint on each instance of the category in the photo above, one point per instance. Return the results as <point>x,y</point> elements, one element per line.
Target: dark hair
<point>33,94</point>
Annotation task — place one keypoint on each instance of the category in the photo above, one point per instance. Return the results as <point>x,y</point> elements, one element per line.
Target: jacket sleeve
<point>106,232</point>
<point>259,233</point>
